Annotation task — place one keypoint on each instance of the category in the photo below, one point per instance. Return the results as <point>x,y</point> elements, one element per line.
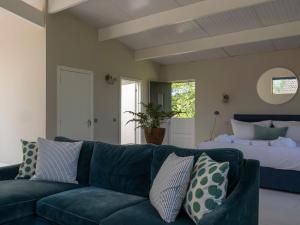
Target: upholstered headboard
<point>261,117</point>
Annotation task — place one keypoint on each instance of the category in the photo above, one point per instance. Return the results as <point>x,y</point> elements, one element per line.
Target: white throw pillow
<point>170,185</point>
<point>293,131</point>
<point>279,124</point>
<point>57,161</point>
<point>245,130</point>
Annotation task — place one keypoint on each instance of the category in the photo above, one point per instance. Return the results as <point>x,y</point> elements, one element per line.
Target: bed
<point>280,168</point>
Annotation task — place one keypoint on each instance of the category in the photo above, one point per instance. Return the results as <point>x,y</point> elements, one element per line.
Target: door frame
<point>87,72</point>
<point>139,133</point>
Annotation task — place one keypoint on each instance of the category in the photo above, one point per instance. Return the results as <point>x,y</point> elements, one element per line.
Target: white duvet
<point>284,158</point>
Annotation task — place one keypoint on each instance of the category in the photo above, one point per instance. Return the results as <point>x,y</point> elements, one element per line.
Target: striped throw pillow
<point>170,185</point>
<point>57,161</point>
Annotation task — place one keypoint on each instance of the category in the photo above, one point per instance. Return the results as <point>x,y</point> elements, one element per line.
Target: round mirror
<point>277,86</point>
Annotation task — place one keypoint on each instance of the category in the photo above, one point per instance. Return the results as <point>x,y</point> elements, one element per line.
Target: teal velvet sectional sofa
<point>114,183</point>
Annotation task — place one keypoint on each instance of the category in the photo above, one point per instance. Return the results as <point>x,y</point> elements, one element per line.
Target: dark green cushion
<point>269,133</point>
<point>18,197</point>
<point>83,168</point>
<point>9,172</point>
<point>143,214</point>
<point>123,168</point>
<point>84,206</point>
<point>30,220</point>
<point>233,156</point>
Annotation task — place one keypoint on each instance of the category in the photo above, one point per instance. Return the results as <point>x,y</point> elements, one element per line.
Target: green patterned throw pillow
<point>27,167</point>
<point>207,188</point>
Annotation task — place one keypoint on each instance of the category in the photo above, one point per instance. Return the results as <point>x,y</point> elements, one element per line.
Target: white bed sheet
<point>273,157</point>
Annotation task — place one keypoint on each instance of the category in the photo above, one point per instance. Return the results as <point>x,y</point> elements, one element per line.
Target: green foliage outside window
<point>183,99</point>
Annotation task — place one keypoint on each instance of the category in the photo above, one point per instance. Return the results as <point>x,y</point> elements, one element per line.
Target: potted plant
<point>151,120</point>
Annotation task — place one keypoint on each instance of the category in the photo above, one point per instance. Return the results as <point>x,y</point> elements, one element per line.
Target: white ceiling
<point>39,4</point>
<point>102,13</point>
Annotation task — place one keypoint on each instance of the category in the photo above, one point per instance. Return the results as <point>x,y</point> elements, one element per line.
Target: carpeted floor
<point>279,208</point>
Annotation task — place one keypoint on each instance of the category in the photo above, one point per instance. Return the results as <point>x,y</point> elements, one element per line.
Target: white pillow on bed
<point>293,131</point>
<point>244,130</point>
<point>285,123</point>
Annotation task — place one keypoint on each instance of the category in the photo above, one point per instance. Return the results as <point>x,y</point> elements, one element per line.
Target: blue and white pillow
<point>208,187</point>
<point>57,161</point>
<point>27,167</point>
<point>170,185</point>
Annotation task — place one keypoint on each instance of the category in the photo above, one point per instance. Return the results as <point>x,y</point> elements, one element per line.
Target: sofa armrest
<point>241,206</point>
<point>9,172</point>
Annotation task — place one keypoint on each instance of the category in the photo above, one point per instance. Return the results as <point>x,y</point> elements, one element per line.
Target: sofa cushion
<point>142,213</point>
<point>233,156</point>
<point>18,197</point>
<point>84,161</point>
<point>84,206</point>
<point>30,220</point>
<point>123,168</point>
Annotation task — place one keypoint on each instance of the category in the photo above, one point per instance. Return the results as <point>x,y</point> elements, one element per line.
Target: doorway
<point>130,101</point>
<point>75,104</point>
<point>182,127</point>
<point>180,96</point>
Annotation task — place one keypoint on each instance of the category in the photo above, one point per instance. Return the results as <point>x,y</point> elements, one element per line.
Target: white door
<point>75,103</point>
<point>182,132</point>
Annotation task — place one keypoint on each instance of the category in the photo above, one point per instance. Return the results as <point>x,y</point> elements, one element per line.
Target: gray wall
<point>73,43</point>
<point>237,77</point>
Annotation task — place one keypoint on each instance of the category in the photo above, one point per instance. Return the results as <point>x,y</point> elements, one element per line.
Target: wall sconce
<point>226,98</point>
<point>110,79</point>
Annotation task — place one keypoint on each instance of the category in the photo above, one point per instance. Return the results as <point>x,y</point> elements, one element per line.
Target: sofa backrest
<point>233,156</point>
<point>132,168</point>
<point>123,168</point>
<point>84,161</point>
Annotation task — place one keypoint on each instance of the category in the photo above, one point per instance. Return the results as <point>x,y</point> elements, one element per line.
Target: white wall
<point>22,84</point>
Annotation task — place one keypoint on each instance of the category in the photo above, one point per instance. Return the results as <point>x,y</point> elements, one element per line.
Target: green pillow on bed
<point>268,133</point>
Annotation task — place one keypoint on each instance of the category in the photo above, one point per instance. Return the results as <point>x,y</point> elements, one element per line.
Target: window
<point>284,85</point>
<point>183,98</point>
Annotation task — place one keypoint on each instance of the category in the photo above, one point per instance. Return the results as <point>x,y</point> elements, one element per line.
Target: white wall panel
<point>100,13</point>
<point>140,8</point>
<point>231,21</point>
<point>280,11</point>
